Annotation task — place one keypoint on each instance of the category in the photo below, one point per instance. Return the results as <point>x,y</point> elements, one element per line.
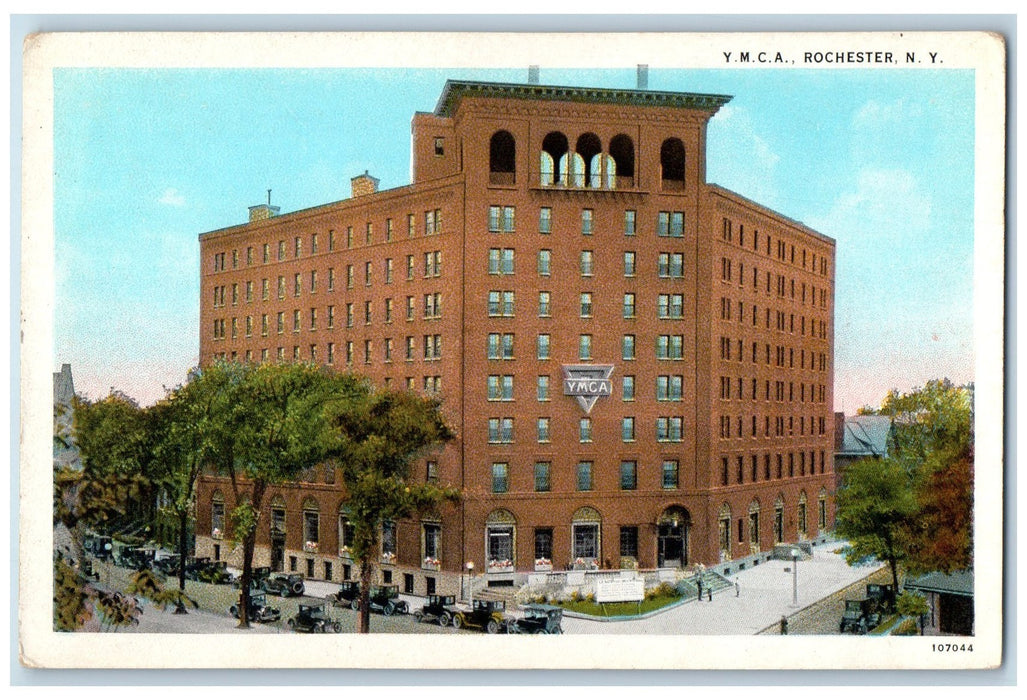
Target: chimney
<point>263,211</point>
<point>839,430</point>
<point>533,75</point>
<point>363,184</point>
<point>643,76</point>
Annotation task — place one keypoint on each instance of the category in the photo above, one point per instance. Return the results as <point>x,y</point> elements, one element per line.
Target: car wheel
<point>388,609</point>
<point>297,588</point>
<point>458,621</point>
<point>337,627</point>
<point>355,604</point>
<point>445,619</point>
<point>234,611</point>
<point>291,623</point>
<point>492,627</point>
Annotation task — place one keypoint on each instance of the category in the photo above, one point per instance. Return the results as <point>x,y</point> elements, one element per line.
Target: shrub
<point>906,628</point>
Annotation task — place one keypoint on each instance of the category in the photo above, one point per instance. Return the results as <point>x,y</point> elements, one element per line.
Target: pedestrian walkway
<point>764,595</point>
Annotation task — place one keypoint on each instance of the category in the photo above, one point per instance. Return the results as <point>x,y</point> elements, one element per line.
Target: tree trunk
<point>248,544</point>
<point>183,519</point>
<point>366,573</point>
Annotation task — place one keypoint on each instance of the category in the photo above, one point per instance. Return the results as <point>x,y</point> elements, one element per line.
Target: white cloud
<point>874,115</point>
<point>739,157</point>
<point>885,204</point>
<point>172,198</point>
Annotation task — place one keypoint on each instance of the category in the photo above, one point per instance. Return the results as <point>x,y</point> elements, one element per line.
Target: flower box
<point>345,553</point>
<point>388,557</point>
<point>500,566</point>
<point>431,564</point>
<point>310,547</point>
<point>217,534</point>
<point>543,564</point>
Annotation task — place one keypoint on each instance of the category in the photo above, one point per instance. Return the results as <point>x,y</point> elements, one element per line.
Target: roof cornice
<point>456,90</point>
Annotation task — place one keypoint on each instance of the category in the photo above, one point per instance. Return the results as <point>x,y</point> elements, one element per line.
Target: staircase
<point>711,581</point>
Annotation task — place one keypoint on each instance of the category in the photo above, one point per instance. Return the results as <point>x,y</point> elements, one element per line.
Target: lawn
<point>586,607</point>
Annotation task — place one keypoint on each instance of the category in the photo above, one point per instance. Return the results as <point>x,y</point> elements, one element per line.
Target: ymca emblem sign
<point>587,383</point>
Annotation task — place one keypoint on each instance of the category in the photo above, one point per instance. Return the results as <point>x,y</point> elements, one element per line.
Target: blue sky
<point>145,160</point>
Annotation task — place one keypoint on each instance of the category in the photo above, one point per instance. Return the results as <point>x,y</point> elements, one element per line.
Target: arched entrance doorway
<point>672,538</point>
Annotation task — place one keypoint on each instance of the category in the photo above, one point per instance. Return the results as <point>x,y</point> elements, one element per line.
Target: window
<point>542,387</point>
<point>544,544</point>
<point>500,477</point>
<point>670,223</point>
<point>388,350</point>
<point>429,223</point>
<point>389,537</point>
<point>671,265</point>
<point>629,263</point>
<point>586,304</point>
<point>500,387</point>
<point>432,305</point>
<point>313,319</point>
<point>627,347</point>
<point>369,233</point>
<point>544,307</point>
<point>627,429</point>
<point>367,274</point>
<point>500,430</point>
<point>297,246</point>
<point>265,289</point>
<point>311,522</point>
<point>388,310</point>
<point>331,353</point>
<point>542,429</point>
<point>629,542</point>
<point>281,250</point>
<point>629,305</point>
<point>431,471</point>
<point>281,322</point>
<point>263,324</point>
<point>545,260</point>
<point>668,387</point>
<point>584,473</point>
<point>501,219</point>
<point>586,540</point>
<point>628,476</point>
<point>670,474</point>
<point>584,347</point>
<point>545,220</point>
<point>367,313</point>
<point>249,292</point>
<point>670,306</point>
<point>410,267</point>
<point>586,263</point>
<point>410,308</point>
<point>586,222</point>
<point>542,476</point>
<point>281,286</point>
<point>542,347</point>
<point>349,277</point>
<point>267,253</point>
<point>585,429</point>
<point>440,146</point>
<point>500,346</point>
<point>669,347</point>
<point>388,270</point>
<point>629,222</point>
<point>432,536</point>
<point>668,429</point>
<point>628,388</point>
<point>501,261</point>
<point>501,303</point>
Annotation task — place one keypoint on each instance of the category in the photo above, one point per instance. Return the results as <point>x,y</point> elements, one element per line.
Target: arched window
<point>802,516</point>
<point>622,151</point>
<point>500,541</point>
<point>822,510</point>
<point>724,531</point>
<point>754,526</point>
<point>345,532</point>
<point>502,158</point>
<point>217,515</point>
<point>589,149</point>
<point>311,524</point>
<point>672,165</point>
<point>278,516</point>
<point>586,546</point>
<point>552,163</point>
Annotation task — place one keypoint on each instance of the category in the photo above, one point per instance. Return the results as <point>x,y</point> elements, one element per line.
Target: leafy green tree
<point>874,506</point>
<point>381,435</point>
<point>913,605</point>
<point>71,597</point>
<point>279,428</point>
<point>145,585</point>
<point>190,430</point>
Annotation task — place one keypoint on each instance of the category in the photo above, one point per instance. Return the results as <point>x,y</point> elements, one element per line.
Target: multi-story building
<point>637,363</point>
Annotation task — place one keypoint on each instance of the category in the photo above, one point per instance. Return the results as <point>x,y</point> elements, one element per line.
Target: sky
<point>145,160</point>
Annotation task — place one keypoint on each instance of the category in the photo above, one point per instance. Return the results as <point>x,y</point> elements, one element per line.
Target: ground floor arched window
<point>673,529</point>
<point>500,534</point>
<point>586,527</point>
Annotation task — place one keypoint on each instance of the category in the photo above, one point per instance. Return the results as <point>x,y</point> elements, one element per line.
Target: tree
<point>913,605</point>
<point>279,427</point>
<point>381,436</point>
<point>875,504</point>
<point>190,429</point>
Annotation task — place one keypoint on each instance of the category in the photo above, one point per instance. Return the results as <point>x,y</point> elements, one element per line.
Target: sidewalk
<point>765,595</point>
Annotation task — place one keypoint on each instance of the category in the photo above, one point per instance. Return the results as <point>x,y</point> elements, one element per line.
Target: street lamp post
<point>470,582</point>
<point>795,578</point>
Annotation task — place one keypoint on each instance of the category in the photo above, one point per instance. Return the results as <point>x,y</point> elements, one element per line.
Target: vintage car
<point>259,610</point>
<point>88,569</point>
<point>538,619</point>
<point>257,576</point>
<point>883,595</point>
<point>313,618</point>
<point>440,608</point>
<point>284,584</point>
<point>214,572</point>
<point>138,558</point>
<point>167,564</point>
<point>488,615</point>
<point>859,617</point>
<point>100,546</point>
<point>384,599</point>
<point>347,593</point>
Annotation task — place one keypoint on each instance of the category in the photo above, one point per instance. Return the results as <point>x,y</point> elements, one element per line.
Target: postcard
<point>572,351</point>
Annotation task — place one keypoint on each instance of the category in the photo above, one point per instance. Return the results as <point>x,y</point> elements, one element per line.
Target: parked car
<point>440,608</point>
<point>138,558</point>
<point>883,595</point>
<point>284,584</point>
<point>88,569</point>
<point>385,600</point>
<point>167,565</point>
<point>347,593</point>
<point>214,572</point>
<point>313,618</point>
<point>257,576</point>
<point>100,546</point>
<point>489,615</point>
<point>859,617</point>
<point>258,610</point>
<point>538,619</point>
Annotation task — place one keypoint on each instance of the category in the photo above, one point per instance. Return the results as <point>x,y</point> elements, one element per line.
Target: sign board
<point>619,591</point>
<point>587,383</point>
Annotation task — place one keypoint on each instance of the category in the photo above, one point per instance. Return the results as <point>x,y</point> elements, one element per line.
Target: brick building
<point>638,364</point>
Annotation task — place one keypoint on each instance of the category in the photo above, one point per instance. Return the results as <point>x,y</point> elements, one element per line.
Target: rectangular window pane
<point>584,476</point>
<point>542,476</point>
<point>628,476</point>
